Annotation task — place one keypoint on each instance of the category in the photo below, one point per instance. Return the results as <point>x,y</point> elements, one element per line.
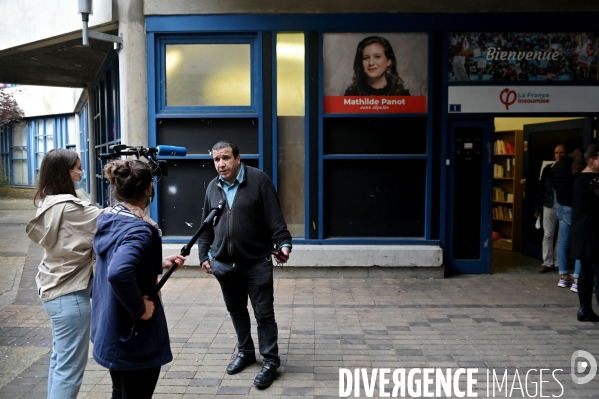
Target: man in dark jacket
<point>237,251</point>
<point>547,203</point>
<point>561,179</point>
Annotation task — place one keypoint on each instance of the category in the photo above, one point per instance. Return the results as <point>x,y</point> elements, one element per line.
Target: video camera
<point>151,154</point>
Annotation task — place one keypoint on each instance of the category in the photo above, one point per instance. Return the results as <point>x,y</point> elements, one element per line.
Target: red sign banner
<point>374,104</point>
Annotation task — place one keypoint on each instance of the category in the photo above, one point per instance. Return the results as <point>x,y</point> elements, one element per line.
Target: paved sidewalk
<point>510,322</point>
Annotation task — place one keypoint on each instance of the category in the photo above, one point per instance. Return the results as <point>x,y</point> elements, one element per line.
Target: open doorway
<point>523,147</point>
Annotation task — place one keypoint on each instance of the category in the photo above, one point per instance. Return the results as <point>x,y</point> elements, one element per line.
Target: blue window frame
<point>56,131</point>
<point>160,48</point>
<point>21,155</point>
<point>166,122</point>
<point>40,143</point>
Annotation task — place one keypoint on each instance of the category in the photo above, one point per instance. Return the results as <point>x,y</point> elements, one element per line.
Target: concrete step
<point>347,261</point>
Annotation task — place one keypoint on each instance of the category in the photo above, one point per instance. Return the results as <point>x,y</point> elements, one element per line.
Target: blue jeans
<point>256,282</point>
<point>564,215</point>
<point>70,315</point>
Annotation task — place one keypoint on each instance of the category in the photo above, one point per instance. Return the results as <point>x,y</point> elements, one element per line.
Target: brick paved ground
<point>508,321</point>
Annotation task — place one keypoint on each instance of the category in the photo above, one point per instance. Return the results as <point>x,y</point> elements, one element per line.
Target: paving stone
<point>233,391</point>
<point>179,374</point>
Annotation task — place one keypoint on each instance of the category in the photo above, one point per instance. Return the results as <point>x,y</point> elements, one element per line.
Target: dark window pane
<point>374,198</point>
<point>199,135</point>
<point>374,136</point>
<point>182,195</point>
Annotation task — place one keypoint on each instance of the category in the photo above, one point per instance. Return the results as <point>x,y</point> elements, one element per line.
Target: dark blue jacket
<point>128,262</point>
<point>246,232</point>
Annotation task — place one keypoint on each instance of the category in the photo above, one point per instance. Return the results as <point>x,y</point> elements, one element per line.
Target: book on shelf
<point>500,194</point>
<point>509,147</point>
<point>504,147</point>
<point>502,212</point>
<point>498,171</point>
<point>500,147</point>
<point>509,197</point>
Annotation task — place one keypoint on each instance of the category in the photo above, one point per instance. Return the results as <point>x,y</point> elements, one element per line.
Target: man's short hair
<point>226,144</point>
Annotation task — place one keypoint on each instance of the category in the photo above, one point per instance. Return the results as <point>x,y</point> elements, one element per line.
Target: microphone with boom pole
<point>212,218</point>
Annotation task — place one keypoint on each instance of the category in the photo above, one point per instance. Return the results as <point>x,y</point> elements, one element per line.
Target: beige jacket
<point>65,227</point>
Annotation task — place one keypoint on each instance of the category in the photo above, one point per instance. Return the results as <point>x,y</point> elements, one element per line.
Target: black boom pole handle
<point>212,218</point>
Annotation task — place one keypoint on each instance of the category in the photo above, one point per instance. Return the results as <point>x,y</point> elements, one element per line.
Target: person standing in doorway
<point>546,201</point>
<point>561,179</point>
<point>237,251</point>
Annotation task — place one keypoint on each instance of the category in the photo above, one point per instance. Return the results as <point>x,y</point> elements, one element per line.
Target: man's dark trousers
<point>256,281</point>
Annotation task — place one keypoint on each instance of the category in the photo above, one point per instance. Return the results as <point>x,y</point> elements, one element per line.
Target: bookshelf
<point>507,189</point>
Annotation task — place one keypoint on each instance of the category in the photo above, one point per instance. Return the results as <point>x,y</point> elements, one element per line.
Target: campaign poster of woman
<point>375,72</point>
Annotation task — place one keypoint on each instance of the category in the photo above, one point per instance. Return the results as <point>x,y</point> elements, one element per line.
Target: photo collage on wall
<point>531,56</point>
<point>374,73</point>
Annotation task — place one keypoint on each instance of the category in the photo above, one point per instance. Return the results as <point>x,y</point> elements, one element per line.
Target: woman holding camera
<point>129,329</point>
<point>64,226</point>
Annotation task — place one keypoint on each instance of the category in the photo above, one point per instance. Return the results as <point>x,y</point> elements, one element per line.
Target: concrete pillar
<point>133,77</point>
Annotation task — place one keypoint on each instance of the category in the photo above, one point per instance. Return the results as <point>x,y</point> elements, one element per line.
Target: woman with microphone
<point>129,329</point>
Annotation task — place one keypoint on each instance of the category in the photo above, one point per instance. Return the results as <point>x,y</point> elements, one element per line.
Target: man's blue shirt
<point>231,189</point>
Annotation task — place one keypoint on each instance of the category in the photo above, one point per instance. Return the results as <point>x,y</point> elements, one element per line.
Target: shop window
<point>208,74</point>
<point>374,136</point>
<point>290,66</point>
<point>374,198</point>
